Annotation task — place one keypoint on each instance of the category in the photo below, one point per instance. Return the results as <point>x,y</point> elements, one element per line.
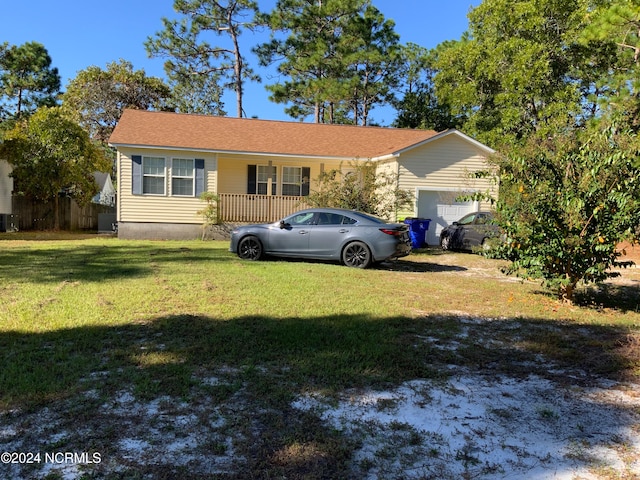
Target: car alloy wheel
<point>250,248</point>
<point>356,255</point>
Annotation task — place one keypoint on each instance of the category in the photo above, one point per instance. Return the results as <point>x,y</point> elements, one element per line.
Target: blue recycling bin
<point>418,231</point>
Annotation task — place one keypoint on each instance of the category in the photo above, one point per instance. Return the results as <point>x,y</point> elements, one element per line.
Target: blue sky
<point>81,33</point>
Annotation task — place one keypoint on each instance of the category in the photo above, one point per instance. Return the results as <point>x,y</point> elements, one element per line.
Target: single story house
<point>262,169</point>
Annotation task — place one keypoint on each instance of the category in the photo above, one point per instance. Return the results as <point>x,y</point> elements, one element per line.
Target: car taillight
<point>391,231</point>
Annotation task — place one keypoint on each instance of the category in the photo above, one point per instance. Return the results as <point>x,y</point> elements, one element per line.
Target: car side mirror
<point>283,224</point>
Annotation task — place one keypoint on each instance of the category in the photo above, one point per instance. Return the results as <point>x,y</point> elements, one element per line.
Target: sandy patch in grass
<point>478,426</point>
<point>123,437</point>
<point>470,426</point>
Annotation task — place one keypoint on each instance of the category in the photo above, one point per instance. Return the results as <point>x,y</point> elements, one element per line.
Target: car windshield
<point>467,219</point>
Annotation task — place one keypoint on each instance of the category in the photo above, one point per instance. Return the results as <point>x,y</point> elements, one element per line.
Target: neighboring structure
<point>107,193</point>
<point>6,187</point>
<point>262,170</point>
<point>8,221</point>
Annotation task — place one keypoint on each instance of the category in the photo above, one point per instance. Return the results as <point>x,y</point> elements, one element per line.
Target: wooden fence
<point>40,216</point>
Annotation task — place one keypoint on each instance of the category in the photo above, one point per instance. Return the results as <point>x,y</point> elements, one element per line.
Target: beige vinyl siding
<point>388,168</point>
<point>161,208</point>
<point>6,187</point>
<point>224,173</point>
<point>444,164</point>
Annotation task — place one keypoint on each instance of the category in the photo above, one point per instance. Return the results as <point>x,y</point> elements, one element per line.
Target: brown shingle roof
<point>226,134</point>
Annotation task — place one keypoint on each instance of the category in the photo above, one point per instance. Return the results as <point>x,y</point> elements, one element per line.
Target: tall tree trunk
<point>238,67</point>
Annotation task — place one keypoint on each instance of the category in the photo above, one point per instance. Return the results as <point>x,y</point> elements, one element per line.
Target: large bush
<point>565,204</point>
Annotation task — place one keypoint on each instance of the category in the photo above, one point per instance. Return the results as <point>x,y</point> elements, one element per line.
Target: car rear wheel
<point>250,248</point>
<point>445,242</point>
<point>356,255</point>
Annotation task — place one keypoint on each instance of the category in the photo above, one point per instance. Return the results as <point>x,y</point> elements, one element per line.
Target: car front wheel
<point>356,255</point>
<point>250,248</point>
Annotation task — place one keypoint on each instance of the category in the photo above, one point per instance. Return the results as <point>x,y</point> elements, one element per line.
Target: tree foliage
<point>310,54</point>
<point>198,70</point>
<point>418,106</point>
<point>372,65</point>
<point>616,24</point>
<point>27,80</point>
<point>521,70</point>
<point>51,154</point>
<point>98,97</point>
<point>565,204</point>
<point>360,186</point>
<point>338,57</point>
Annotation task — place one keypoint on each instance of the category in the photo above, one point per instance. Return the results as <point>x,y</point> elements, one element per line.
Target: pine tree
<point>27,80</point>
<point>194,65</point>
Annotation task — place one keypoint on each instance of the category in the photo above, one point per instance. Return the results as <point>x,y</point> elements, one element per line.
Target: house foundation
<point>173,231</point>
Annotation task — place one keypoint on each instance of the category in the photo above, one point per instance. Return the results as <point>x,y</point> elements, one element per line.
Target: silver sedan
<point>354,238</point>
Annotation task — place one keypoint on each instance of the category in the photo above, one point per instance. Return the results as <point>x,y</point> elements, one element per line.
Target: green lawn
<point>82,313</point>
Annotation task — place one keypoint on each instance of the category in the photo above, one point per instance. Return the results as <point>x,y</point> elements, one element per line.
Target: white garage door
<point>443,209</point>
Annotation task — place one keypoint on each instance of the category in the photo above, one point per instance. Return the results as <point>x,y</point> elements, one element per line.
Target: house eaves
<point>447,133</point>
<point>228,152</point>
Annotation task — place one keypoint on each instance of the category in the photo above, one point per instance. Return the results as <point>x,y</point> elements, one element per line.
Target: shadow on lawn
<point>96,263</point>
<point>610,296</point>
<point>418,267</point>
<point>400,265</point>
<point>271,361</point>
<point>348,351</point>
<point>603,297</point>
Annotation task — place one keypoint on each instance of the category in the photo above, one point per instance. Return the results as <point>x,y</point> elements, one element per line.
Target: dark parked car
<point>473,230</point>
<point>354,238</point>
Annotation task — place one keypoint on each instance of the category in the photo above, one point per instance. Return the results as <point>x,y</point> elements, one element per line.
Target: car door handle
<point>302,232</point>
<point>343,230</point>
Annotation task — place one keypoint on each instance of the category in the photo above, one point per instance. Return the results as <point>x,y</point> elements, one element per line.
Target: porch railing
<point>235,207</point>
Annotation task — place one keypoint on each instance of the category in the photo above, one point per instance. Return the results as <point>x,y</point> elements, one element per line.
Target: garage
<point>443,208</point>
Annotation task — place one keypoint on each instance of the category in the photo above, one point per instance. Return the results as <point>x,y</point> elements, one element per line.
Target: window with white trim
<point>182,177</point>
<point>262,180</point>
<point>153,175</point>
<point>292,181</point>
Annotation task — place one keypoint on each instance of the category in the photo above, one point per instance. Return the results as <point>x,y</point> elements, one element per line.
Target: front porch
<point>234,207</point>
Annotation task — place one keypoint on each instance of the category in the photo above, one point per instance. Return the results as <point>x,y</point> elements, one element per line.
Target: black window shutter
<point>252,179</point>
<point>136,174</point>
<point>199,167</point>
<point>306,173</point>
